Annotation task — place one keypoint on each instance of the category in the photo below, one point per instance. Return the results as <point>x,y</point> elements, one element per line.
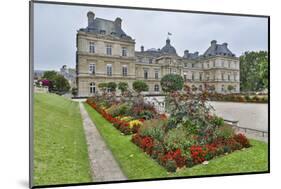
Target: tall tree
<point>254,71</point>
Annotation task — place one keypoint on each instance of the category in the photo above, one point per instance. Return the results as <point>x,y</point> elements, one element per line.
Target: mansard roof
<point>105,27</point>
<point>218,49</point>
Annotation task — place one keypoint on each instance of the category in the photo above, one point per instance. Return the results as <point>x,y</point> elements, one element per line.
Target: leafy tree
<point>172,83</point>
<point>57,82</point>
<point>61,84</point>
<point>123,86</point>
<point>74,91</point>
<point>230,88</point>
<point>102,87</point>
<point>140,86</point>
<point>50,75</point>
<point>254,71</point>
<point>112,86</point>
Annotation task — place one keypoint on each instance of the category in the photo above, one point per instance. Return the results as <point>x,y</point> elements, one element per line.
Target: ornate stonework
<point>106,53</point>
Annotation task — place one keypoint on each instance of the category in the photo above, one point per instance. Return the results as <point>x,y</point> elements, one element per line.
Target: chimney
<point>118,22</point>
<point>91,17</point>
<point>142,48</point>
<point>213,42</point>
<point>224,44</point>
<point>186,53</point>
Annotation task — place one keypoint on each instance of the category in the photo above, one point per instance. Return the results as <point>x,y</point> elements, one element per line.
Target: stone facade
<point>106,53</point>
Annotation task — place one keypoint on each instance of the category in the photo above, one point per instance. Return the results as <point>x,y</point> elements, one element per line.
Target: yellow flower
<point>134,123</point>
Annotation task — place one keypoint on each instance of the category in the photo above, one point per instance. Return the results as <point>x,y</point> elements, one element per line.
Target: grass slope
<point>60,149</point>
<point>141,166</point>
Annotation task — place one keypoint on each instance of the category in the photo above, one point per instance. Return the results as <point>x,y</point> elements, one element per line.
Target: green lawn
<point>60,149</point>
<point>137,165</point>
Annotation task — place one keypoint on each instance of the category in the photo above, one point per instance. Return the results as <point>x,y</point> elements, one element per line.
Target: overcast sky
<point>55,28</point>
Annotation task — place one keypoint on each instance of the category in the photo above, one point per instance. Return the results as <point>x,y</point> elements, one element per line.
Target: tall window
<point>156,74</point>
<point>124,70</point>
<point>92,88</point>
<point>229,63</point>
<point>124,51</point>
<point>200,76</point>
<point>207,76</point>
<point>145,74</point>
<point>150,61</point>
<point>92,68</point>
<point>222,76</point>
<point>208,65</point>
<point>109,69</point>
<point>156,87</point>
<point>109,49</point>
<point>235,76</point>
<point>192,65</point>
<point>192,76</point>
<point>228,77</point>
<point>222,88</point>
<point>92,47</point>
<point>184,77</point>
<point>222,63</point>
<point>214,64</point>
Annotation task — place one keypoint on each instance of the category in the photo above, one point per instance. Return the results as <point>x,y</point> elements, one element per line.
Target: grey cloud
<point>56,26</point>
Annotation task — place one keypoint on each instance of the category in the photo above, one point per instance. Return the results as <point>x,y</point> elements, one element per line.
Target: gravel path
<point>103,165</point>
<point>249,115</point>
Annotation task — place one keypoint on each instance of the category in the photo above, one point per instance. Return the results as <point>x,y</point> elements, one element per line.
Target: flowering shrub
<point>135,123</point>
<point>174,155</point>
<point>198,154</point>
<point>240,138</point>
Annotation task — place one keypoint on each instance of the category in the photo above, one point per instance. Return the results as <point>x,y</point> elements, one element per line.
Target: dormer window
<point>102,31</point>
<point>113,33</point>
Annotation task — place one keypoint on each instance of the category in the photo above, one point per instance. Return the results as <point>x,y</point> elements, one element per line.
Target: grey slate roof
<point>192,56</point>
<point>218,49</point>
<point>106,27</point>
<point>168,49</point>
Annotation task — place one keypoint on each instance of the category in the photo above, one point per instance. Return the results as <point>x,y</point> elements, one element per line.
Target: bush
<point>153,128</point>
<point>224,132</point>
<point>102,87</point>
<point>171,165</point>
<point>171,83</point>
<point>178,138</point>
<point>198,154</point>
<point>119,109</point>
<point>123,86</point>
<point>241,138</point>
<point>112,86</point>
<point>217,121</point>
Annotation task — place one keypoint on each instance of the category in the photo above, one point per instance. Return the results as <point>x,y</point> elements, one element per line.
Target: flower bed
<point>195,154</point>
<point>191,135</point>
<point>120,119</point>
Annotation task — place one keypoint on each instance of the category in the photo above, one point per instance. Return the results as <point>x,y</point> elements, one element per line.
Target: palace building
<point>106,53</point>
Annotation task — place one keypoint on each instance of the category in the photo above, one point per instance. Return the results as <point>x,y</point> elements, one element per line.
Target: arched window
<point>156,87</point>
<point>92,88</point>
